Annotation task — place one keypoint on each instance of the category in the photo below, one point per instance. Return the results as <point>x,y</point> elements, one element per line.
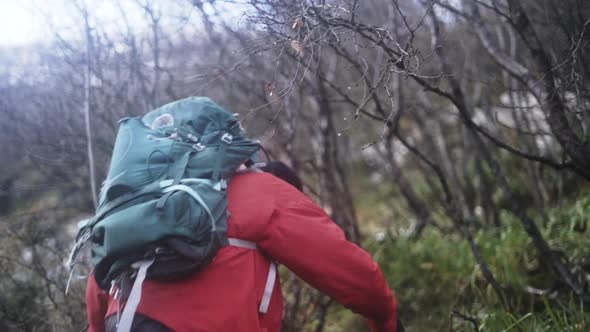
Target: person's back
<point>286,227</point>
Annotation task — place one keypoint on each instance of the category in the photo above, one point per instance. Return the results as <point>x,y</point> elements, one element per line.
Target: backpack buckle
<point>114,288</point>
<point>221,185</point>
<point>198,146</point>
<point>162,251</point>
<point>192,137</point>
<point>227,138</point>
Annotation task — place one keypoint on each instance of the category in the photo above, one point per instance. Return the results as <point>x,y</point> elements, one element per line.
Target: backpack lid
<point>146,147</point>
<point>202,117</point>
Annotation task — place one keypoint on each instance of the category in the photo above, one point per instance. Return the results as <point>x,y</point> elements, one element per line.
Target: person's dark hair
<point>283,172</point>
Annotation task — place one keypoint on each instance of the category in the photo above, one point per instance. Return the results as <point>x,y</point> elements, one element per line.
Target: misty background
<point>449,138</point>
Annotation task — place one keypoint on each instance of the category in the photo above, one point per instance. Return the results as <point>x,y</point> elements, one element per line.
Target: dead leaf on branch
<point>296,45</point>
<point>297,24</point>
<point>269,88</point>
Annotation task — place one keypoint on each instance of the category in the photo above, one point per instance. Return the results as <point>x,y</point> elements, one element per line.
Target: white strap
<point>270,283</point>
<point>126,321</point>
<point>135,295</point>
<point>270,279</point>
<point>241,243</point>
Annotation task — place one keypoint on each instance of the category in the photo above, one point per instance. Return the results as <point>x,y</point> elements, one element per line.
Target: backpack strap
<point>126,321</point>
<point>270,283</point>
<point>124,324</point>
<point>226,139</point>
<point>241,243</point>
<point>270,279</point>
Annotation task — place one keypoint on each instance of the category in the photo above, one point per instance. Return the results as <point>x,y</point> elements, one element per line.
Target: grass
<point>437,275</point>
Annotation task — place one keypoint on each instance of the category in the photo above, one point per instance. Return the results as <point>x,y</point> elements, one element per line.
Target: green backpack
<point>163,207</point>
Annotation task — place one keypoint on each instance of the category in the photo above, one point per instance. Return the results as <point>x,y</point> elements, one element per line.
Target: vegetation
<point>440,287</point>
<point>449,138</point>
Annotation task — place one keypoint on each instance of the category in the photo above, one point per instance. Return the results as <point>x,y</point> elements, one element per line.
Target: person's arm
<point>96,305</point>
<point>302,237</point>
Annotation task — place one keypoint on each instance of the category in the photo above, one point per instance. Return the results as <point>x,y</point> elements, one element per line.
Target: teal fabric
<point>142,155</point>
<point>180,140</point>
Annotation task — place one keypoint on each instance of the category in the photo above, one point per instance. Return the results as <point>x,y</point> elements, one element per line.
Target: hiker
<point>270,222</point>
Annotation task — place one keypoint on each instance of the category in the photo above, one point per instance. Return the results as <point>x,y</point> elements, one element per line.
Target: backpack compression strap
<point>126,321</point>
<point>270,279</point>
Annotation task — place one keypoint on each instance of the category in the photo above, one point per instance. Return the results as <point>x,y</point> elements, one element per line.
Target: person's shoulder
<point>252,201</point>
<point>262,185</point>
<point>248,184</point>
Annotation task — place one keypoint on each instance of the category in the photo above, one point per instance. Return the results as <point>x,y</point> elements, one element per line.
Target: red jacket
<point>287,226</point>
